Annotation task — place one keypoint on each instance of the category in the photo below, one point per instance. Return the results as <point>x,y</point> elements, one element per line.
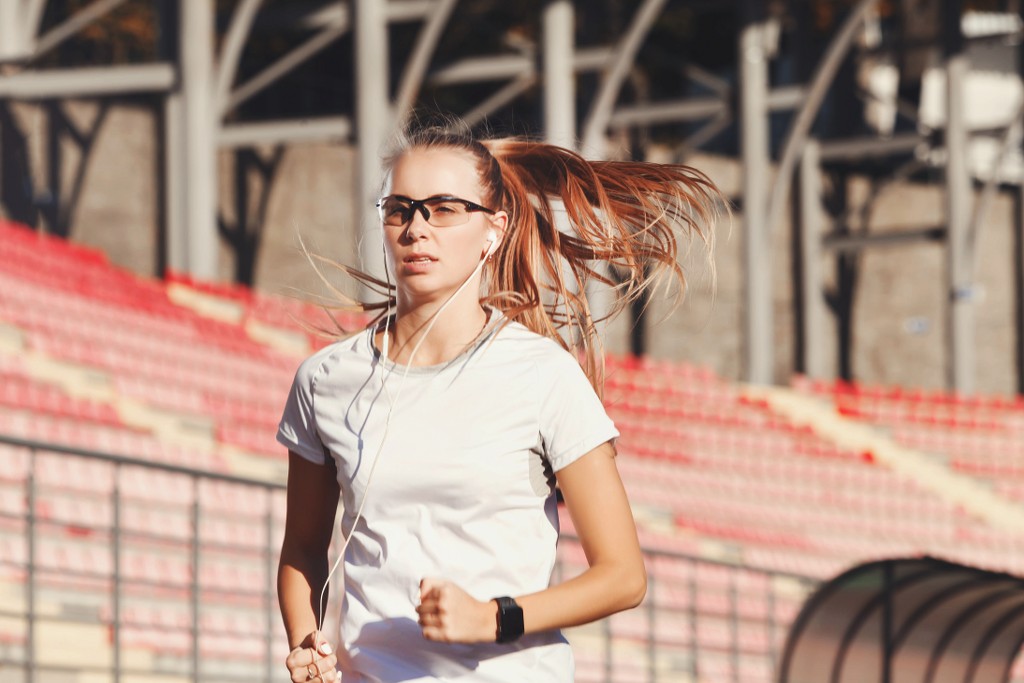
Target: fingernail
<point>325,649</point>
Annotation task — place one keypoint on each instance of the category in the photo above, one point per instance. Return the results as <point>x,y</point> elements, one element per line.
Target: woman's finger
<point>309,664</point>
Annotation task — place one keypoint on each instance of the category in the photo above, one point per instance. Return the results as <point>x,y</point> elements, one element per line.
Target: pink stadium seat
<point>73,558</point>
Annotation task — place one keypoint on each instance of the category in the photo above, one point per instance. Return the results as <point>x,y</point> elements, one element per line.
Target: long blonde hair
<point>626,214</point>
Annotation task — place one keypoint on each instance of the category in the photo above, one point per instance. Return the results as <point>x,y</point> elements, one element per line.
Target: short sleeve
<point>297,429</point>
<point>573,421</point>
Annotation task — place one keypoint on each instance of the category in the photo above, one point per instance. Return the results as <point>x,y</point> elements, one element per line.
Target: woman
<point>445,426</point>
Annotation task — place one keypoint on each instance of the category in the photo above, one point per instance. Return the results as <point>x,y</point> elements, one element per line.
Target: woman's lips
<point>418,263</point>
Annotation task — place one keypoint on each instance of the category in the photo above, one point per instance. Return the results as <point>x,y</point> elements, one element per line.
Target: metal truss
<point>200,89</point>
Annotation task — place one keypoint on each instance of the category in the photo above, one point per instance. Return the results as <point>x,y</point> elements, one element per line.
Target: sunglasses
<point>441,211</point>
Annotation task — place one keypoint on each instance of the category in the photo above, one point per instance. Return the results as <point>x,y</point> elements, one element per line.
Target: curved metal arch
<point>995,630</point>
<point>824,593</point>
<point>1009,662</point>
<point>619,64</point>
<point>956,626</point>
<point>866,612</point>
<point>922,611</point>
<point>990,635</point>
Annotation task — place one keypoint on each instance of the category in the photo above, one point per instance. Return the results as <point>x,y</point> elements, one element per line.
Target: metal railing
<point>154,571</point>
<point>702,620</point>
<point>148,569</point>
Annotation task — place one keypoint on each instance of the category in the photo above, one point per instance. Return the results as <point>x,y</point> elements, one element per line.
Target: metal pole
<point>734,625</point>
<point>753,116</point>
<point>960,316</point>
<point>115,579</point>
<point>887,625</point>
<point>373,122</point>
<point>12,31</point>
<point>199,136</point>
<point>811,318</point>
<point>270,662</point>
<point>172,159</point>
<point>559,83</point>
<point>558,22</point>
<point>653,586</point>
<point>1018,252</point>
<point>772,626</point>
<point>31,552</point>
<point>693,615</point>
<point>609,651</point>
<point>195,562</point>
<point>1018,283</point>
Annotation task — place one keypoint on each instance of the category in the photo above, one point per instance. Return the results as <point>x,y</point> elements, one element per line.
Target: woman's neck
<point>456,328</point>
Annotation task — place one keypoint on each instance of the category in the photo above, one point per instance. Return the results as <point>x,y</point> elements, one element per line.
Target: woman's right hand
<point>313,660</point>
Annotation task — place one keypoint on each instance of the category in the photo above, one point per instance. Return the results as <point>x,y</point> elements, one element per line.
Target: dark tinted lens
<point>444,212</point>
<point>394,211</point>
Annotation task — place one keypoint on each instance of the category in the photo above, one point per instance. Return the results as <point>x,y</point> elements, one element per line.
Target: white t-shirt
<point>463,490</point>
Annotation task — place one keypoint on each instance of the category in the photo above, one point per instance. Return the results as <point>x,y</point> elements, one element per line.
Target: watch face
<point>510,620</point>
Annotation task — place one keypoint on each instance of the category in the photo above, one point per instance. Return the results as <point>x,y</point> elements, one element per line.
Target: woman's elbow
<point>631,586</point>
<point>638,586</point>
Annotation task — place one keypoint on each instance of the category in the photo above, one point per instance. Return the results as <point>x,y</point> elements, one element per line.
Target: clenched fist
<point>449,614</point>
<point>313,660</point>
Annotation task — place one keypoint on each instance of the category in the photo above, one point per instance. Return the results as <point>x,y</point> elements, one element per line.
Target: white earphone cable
<point>385,373</point>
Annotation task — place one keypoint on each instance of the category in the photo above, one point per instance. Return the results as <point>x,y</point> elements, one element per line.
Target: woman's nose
<point>417,224</point>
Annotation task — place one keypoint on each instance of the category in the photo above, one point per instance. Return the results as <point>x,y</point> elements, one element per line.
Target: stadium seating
<point>740,508</point>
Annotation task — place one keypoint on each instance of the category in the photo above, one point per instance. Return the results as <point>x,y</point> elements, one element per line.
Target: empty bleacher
<point>155,555</point>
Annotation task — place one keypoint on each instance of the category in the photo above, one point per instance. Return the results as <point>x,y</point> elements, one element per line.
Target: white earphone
<point>492,246</point>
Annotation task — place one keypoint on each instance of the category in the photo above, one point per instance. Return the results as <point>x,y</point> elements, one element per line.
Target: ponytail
<point>623,214</point>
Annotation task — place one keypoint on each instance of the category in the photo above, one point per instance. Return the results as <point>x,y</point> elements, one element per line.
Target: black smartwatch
<point>510,620</point>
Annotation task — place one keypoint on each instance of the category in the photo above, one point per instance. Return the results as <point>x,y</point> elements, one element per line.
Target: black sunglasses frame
<point>421,205</point>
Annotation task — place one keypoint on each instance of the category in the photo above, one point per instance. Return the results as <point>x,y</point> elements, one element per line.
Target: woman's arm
<point>615,580</point>
<point>312,503</point>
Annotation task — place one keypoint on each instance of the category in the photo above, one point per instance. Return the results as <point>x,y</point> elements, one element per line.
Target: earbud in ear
<point>492,242</point>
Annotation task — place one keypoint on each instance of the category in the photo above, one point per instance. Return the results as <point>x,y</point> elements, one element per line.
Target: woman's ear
<point>499,221</point>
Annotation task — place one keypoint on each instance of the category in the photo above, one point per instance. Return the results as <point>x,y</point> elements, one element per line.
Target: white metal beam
<point>559,81</point>
<point>813,314</point>
<point>326,129</point>
<point>287,63</point>
<point>506,67</point>
<point>496,101</point>
<point>959,255</point>
<point>199,136</point>
<point>758,329</point>
<point>419,60</point>
<point>234,41</point>
<point>88,81</point>
<point>622,61</point>
<point>373,124</point>
<point>73,25</point>
<point>13,34</point>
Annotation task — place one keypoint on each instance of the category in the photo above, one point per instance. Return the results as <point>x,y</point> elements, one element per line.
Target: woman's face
<point>430,262</point>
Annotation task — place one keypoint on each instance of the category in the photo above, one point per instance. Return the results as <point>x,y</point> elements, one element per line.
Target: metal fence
<point>118,569</point>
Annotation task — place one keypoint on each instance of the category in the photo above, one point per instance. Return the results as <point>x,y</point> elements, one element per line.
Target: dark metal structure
<point>919,620</point>
<point>199,88</point>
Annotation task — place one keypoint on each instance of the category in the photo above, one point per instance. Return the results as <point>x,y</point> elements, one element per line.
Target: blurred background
<point>841,387</point>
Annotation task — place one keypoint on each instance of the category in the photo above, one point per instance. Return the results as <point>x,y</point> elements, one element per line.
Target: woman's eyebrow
<point>443,195</point>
